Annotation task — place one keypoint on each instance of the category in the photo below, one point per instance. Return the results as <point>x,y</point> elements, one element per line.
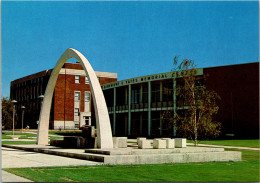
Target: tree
<point>198,105</point>
<point>7,113</point>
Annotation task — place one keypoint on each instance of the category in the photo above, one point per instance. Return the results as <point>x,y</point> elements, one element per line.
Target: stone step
<point>85,156</point>
<point>136,151</point>
<point>115,151</point>
<point>173,158</point>
<point>98,151</point>
<point>139,156</point>
<point>61,152</point>
<point>94,157</point>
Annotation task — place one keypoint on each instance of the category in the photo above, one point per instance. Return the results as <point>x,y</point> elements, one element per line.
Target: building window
<point>87,94</point>
<point>76,79</point>
<point>76,112</point>
<point>155,92</point>
<point>87,120</point>
<point>86,80</point>
<point>77,95</point>
<point>145,93</point>
<point>135,95</point>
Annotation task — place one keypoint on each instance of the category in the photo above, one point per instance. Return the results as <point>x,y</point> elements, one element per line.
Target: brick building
<point>136,105</point>
<point>71,105</point>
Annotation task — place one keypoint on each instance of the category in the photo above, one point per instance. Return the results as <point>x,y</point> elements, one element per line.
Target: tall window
<point>77,95</point>
<point>76,79</point>
<point>135,95</point>
<point>87,96</point>
<point>155,92</point>
<point>145,93</point>
<point>167,90</point>
<point>86,80</point>
<point>76,112</point>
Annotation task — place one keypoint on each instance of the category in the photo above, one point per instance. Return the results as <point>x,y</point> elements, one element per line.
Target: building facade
<point>71,105</point>
<point>136,106</point>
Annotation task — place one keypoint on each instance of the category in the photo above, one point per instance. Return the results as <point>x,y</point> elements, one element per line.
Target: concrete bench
<point>145,144</point>
<point>139,140</point>
<point>159,144</point>
<point>120,142</point>
<point>170,143</point>
<point>180,142</point>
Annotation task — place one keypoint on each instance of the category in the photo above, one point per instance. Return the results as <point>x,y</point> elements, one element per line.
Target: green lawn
<point>240,143</point>
<point>5,135</point>
<point>244,171</point>
<point>18,142</point>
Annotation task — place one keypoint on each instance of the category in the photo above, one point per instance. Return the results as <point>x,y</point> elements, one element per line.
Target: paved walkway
<point>208,145</point>
<point>228,147</point>
<point>8,177</point>
<point>14,158</point>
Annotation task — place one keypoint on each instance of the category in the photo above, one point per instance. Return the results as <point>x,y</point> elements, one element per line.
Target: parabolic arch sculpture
<point>104,134</point>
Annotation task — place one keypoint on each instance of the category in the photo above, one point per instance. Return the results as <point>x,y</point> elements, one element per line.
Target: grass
<point>238,143</point>
<point>24,135</point>
<point>244,171</point>
<point>18,142</point>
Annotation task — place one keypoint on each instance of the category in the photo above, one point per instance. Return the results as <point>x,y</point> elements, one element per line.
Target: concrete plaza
<point>14,158</point>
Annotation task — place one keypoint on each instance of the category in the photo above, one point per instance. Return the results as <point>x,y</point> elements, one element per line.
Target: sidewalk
<point>14,158</point>
<point>227,147</point>
<point>208,145</point>
<point>8,177</point>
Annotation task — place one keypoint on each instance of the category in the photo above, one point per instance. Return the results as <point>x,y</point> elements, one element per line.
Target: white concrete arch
<point>104,134</point>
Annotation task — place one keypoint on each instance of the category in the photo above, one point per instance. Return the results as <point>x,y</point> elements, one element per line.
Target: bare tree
<point>198,105</point>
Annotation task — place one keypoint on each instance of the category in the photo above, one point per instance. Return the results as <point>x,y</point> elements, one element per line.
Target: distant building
<point>71,106</point>
<point>136,105</point>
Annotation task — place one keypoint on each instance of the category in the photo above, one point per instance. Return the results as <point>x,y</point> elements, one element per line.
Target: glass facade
<point>135,119</point>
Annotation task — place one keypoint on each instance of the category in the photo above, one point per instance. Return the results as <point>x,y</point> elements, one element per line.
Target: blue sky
<point>130,38</point>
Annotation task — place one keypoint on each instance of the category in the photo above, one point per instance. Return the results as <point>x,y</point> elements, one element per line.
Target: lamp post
<point>13,101</point>
<point>22,116</point>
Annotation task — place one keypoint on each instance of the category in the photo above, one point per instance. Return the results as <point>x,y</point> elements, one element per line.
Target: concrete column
<point>174,102</point>
<point>149,107</point>
<point>114,114</point>
<point>129,109</point>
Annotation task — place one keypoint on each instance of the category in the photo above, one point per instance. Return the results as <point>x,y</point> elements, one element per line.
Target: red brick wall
<point>103,80</point>
<point>238,87</point>
<point>59,95</point>
<point>70,87</point>
<point>73,66</point>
